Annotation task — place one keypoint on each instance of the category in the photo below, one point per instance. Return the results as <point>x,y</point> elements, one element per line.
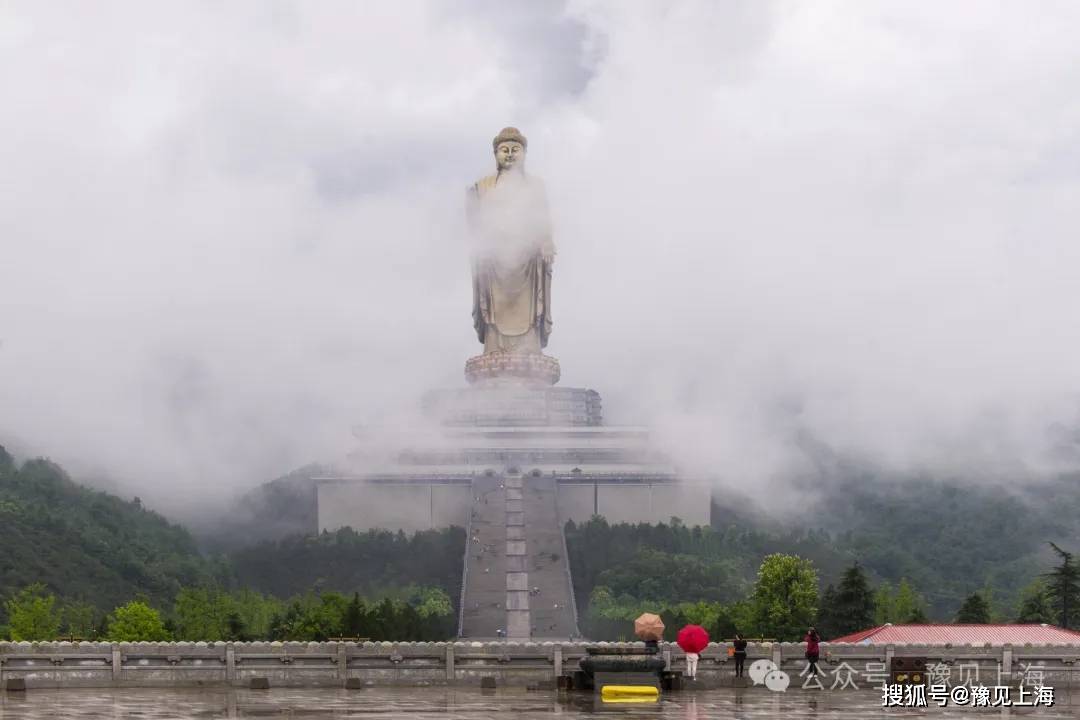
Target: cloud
<point>230,233</point>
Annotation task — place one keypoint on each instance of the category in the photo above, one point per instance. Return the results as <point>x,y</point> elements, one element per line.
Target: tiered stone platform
<point>500,368</point>
<point>506,406</point>
<point>512,459</point>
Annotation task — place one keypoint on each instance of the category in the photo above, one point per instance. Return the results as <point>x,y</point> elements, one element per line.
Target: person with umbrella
<point>650,628</point>
<point>692,639</point>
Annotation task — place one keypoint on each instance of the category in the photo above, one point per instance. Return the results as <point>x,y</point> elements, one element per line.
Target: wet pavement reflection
<point>427,703</point>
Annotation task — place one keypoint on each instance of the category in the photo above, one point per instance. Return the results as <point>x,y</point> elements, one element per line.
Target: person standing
<point>812,641</point>
<point>740,654</point>
<point>691,665</point>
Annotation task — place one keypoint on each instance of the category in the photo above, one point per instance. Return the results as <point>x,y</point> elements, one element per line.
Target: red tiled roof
<point>939,634</point>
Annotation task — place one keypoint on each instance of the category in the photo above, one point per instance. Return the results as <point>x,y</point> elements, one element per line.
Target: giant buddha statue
<point>512,256</point>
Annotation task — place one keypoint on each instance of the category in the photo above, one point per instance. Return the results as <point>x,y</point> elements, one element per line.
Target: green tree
<point>903,604</point>
<point>311,617</point>
<point>136,622</point>
<point>7,463</point>
<point>354,622</point>
<point>974,610</point>
<point>256,612</point>
<point>918,615</point>
<point>849,608</point>
<point>785,596</point>
<point>908,605</point>
<point>1035,605</point>
<point>206,614</point>
<point>372,563</point>
<point>431,602</point>
<point>435,613</point>
<point>32,614</point>
<point>79,620</point>
<point>828,619</point>
<point>884,604</point>
<point>1063,588</point>
<point>719,620</point>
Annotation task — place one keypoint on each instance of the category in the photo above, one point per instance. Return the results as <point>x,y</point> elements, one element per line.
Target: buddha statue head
<point>510,147</point>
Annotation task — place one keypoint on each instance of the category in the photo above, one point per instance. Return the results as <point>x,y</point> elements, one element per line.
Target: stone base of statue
<point>510,368</point>
<point>507,406</point>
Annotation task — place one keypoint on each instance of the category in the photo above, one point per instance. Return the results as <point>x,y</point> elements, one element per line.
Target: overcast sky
<point>231,231</point>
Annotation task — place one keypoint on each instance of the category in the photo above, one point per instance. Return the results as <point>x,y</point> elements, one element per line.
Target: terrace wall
<point>295,664</point>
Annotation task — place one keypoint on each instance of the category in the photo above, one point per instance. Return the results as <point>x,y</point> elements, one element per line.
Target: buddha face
<point>510,155</point>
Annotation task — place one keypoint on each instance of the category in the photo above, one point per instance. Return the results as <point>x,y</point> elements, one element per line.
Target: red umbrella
<point>693,639</point>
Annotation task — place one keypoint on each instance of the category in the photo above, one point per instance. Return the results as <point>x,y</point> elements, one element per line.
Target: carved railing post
<point>342,662</point>
<point>230,663</point>
<point>116,662</point>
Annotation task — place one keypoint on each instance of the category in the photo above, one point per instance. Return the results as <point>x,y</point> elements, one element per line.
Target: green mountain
<point>948,539</point>
<point>275,510</point>
<point>89,546</point>
<point>953,538</point>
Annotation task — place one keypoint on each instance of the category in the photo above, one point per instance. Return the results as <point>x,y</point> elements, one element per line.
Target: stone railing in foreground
<point>538,665</point>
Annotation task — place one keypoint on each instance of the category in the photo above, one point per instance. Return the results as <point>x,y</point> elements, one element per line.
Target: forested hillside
<point>88,545</point>
<point>923,544</point>
<point>80,562</point>
<point>373,563</point>
<point>278,509</point>
<point>933,542</point>
<point>951,539</point>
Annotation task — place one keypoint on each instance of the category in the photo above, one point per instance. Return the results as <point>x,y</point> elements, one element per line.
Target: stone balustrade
<point>300,664</point>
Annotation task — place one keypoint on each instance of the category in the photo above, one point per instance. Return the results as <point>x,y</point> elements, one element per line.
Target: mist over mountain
<point>89,546</point>
<point>232,233</point>
<point>944,538</point>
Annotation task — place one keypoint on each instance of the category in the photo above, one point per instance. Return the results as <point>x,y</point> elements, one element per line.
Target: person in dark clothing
<point>740,654</point>
<point>812,639</point>
<point>652,647</point>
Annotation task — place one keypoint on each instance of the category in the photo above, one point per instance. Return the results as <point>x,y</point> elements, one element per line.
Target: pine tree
<point>353,621</point>
<point>908,605</point>
<point>829,621</point>
<point>850,607</point>
<point>918,615</point>
<point>975,610</point>
<point>884,602</point>
<point>1035,605</point>
<point>1063,587</point>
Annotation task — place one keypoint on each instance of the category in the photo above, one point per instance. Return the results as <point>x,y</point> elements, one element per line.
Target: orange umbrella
<point>649,627</point>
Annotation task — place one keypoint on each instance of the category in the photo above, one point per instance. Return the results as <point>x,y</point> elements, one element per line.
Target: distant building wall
<point>412,506</point>
<point>636,502</point>
<point>575,502</point>
<point>392,506</point>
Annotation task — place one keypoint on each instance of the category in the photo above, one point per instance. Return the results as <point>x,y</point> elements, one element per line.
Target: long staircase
<point>516,580</point>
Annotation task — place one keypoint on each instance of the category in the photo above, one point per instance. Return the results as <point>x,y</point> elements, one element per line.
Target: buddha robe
<point>512,254</point>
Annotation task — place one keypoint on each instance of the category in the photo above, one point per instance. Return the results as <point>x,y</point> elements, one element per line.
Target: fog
<point>229,233</point>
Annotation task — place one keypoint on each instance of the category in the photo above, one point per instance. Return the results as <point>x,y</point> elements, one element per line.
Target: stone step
<point>516,578</point>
